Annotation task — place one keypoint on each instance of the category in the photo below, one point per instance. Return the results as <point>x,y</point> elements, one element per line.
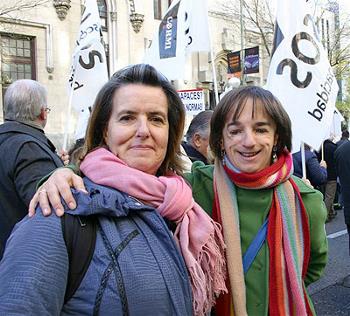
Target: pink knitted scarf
<point>197,235</point>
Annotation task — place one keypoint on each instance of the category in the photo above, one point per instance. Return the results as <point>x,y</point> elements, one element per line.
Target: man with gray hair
<point>197,137</point>
<point>26,153</point>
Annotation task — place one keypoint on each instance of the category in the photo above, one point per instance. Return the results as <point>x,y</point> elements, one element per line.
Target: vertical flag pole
<point>214,76</point>
<point>69,109</point>
<point>216,92</point>
<point>242,40</point>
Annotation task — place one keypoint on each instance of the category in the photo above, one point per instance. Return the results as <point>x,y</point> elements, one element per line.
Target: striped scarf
<point>288,237</point>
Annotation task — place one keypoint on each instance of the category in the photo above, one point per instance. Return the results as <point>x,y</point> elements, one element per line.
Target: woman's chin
<point>144,166</point>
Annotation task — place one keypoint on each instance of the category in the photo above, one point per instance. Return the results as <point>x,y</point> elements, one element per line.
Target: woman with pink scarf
<point>132,171</point>
<point>273,223</point>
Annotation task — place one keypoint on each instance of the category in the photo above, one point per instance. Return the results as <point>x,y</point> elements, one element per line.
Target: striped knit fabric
<point>288,236</point>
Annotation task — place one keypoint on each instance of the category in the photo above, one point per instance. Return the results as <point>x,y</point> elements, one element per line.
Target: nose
<point>249,138</point>
<point>143,128</point>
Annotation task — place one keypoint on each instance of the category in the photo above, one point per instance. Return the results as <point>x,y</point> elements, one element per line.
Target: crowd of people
<point>126,229</point>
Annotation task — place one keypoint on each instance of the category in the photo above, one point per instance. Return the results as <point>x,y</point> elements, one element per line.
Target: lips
<point>249,154</point>
<point>141,147</point>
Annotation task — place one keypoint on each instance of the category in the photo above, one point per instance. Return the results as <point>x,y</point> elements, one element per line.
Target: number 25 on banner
<point>298,54</point>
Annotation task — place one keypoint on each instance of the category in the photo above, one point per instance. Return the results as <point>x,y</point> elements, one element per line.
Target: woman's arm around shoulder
<point>34,269</point>
<point>317,214</point>
<point>57,185</point>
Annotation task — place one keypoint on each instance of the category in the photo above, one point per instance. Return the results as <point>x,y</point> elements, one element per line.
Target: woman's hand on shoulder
<point>56,186</point>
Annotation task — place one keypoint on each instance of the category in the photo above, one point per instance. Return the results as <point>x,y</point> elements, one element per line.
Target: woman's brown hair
<point>102,110</point>
<point>234,102</point>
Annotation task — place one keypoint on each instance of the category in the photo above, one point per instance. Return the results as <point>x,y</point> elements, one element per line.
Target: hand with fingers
<point>64,156</point>
<point>57,186</point>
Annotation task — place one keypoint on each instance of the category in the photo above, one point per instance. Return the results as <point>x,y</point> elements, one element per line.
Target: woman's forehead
<point>249,106</point>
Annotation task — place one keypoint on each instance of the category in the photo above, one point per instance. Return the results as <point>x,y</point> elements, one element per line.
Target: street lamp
<point>242,39</point>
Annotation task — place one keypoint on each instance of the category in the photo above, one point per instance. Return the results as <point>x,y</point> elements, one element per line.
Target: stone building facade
<point>37,43</point>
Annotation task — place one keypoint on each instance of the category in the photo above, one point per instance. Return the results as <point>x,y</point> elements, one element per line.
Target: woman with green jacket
<point>251,189</point>
<point>273,223</point>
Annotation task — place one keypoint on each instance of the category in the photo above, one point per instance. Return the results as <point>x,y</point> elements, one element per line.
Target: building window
<point>328,37</point>
<point>17,58</point>
<point>102,10</point>
<point>160,7</point>
<point>322,32</point>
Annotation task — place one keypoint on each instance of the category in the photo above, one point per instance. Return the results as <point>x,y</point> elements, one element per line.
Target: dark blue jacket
<point>145,276</point>
<point>342,158</point>
<point>27,155</point>
<point>316,174</point>
<point>329,149</point>
<point>193,153</point>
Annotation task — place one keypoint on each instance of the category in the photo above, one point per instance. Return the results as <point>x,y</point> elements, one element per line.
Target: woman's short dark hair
<point>234,102</point>
<point>102,110</point>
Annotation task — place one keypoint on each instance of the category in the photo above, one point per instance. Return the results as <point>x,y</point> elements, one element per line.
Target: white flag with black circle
<point>300,74</point>
<point>89,65</point>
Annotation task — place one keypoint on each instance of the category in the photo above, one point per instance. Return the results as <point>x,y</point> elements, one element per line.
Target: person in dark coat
<point>197,137</point>
<point>316,172</point>
<point>344,138</point>
<point>342,155</point>
<point>329,148</point>
<point>26,153</point>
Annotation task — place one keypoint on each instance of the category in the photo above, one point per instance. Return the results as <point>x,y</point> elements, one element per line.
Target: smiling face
<point>138,129</point>
<point>248,140</point>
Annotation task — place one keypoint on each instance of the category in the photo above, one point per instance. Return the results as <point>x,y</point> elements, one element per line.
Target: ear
<point>276,140</point>
<point>43,114</point>
<point>196,140</point>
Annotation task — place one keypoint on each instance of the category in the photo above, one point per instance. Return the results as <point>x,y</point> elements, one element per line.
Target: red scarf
<point>289,244</point>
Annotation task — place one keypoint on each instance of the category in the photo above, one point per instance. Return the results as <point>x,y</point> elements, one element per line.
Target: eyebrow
<point>122,112</point>
<point>259,124</point>
<point>158,113</point>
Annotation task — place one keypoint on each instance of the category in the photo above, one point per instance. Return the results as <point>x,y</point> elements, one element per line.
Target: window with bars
<point>160,7</point>
<point>17,58</point>
<point>102,9</point>
<point>103,12</point>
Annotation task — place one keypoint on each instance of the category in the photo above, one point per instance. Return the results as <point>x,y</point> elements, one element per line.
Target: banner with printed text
<point>193,100</point>
<point>89,66</point>
<point>251,60</point>
<point>183,29</point>
<point>300,74</point>
<point>234,64</point>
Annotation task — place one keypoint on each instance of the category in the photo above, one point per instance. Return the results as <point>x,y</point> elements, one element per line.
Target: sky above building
<point>344,5</point>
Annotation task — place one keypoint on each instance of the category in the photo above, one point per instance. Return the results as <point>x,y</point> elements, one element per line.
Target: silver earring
<point>223,153</point>
<point>274,154</point>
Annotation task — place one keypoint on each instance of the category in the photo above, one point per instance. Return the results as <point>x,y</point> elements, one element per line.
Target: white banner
<point>335,130</point>
<point>83,120</point>
<point>193,100</point>
<point>300,74</point>
<point>183,29</point>
<point>89,66</point>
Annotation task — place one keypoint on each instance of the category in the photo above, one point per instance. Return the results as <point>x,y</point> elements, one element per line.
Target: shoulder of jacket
<point>201,169</point>
<point>303,187</point>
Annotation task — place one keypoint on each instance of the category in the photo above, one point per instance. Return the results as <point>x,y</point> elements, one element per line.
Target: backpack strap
<point>254,247</point>
<point>79,234</point>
